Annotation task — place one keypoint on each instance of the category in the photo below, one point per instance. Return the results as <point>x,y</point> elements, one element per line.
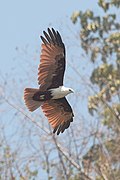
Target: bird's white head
<point>69,90</point>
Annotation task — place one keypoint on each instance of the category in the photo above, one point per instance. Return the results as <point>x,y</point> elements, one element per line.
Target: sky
<point>21,23</point>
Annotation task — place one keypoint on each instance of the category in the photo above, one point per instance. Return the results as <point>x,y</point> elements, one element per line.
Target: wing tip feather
<point>61,128</point>
<point>52,36</point>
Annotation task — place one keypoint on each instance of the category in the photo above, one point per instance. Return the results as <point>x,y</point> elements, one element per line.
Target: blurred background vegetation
<point>90,149</point>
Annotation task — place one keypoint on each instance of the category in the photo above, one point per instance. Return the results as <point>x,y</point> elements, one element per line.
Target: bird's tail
<point>31,104</point>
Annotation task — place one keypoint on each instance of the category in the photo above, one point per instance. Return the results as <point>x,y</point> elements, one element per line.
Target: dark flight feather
<point>52,61</point>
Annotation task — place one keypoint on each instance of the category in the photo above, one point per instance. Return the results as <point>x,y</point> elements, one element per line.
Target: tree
<point>100,40</point>
<point>89,149</point>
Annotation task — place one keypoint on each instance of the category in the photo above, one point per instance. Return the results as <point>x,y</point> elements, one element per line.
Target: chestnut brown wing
<point>52,61</point>
<point>59,114</point>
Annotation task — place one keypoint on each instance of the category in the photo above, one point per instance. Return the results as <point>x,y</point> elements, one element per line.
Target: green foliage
<point>100,39</point>
<point>99,35</point>
<point>109,118</point>
<point>104,5</point>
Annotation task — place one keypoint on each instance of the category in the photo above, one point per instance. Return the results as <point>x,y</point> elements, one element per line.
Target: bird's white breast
<point>60,92</point>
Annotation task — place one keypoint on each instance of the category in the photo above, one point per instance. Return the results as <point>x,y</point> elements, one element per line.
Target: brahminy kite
<point>51,93</point>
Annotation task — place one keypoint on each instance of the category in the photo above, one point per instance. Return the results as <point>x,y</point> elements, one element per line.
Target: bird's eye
<point>70,90</point>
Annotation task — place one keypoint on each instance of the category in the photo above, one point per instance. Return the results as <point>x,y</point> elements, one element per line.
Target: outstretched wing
<point>59,114</point>
<point>52,61</point>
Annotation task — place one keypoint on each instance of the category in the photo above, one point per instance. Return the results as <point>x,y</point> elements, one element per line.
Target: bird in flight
<point>51,93</point>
